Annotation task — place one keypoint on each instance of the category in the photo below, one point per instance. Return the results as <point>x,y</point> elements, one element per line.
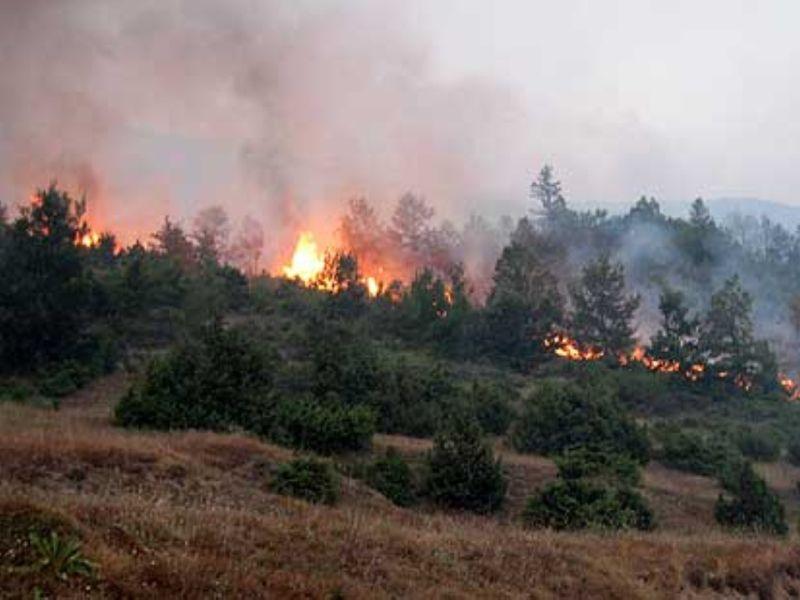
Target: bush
<point>584,463</point>
<point>391,476</point>
<point>758,445</point>
<point>462,471</point>
<point>492,405</point>
<point>696,453</point>
<point>559,417</point>
<point>793,452</point>
<point>324,427</point>
<point>308,479</point>
<point>414,400</point>
<point>581,504</point>
<point>752,504</point>
<point>221,381</point>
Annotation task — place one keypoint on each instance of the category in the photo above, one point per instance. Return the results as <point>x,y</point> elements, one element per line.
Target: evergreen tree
<point>546,190</point>
<point>677,338</point>
<point>45,295</point>
<point>602,310</point>
<point>727,332</point>
<point>525,303</point>
<point>462,471</point>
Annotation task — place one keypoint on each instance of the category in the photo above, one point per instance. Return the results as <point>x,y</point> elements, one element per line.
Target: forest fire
<point>90,239</point>
<point>566,347</point>
<point>308,265</point>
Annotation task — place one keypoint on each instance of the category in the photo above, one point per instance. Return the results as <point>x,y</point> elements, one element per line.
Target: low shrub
<point>308,479</point>
<point>325,427</point>
<point>758,444</point>
<point>222,380</point>
<point>462,471</point>
<point>581,504</point>
<point>392,477</point>
<point>585,463</point>
<point>492,405</point>
<point>751,505</point>
<point>561,416</point>
<point>693,452</point>
<point>793,452</point>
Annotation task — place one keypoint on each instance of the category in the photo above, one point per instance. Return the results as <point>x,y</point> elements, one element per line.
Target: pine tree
<point>602,310</point>
<point>677,338</point>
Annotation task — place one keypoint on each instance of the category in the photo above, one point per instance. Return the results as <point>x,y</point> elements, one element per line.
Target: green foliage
<point>492,405</point>
<point>676,340</point>
<point>462,471</point>
<point>751,505</point>
<point>562,416</point>
<point>695,452</point>
<point>392,477</point>
<point>308,479</point>
<point>602,310</point>
<point>61,557</point>
<point>758,444</point>
<point>580,504</point>
<point>525,303</point>
<point>221,381</point>
<point>46,292</point>
<point>793,452</point>
<point>324,427</point>
<point>598,465</point>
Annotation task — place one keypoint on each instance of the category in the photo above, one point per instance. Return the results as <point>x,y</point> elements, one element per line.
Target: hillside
<point>191,515</point>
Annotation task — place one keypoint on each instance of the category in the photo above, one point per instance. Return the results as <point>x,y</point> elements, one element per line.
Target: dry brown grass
<point>190,515</point>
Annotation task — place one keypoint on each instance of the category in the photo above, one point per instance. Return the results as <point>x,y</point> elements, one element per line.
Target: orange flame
<point>566,347</point>
<point>308,262</point>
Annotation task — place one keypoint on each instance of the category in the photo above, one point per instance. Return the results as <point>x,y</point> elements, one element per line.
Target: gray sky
<point>674,98</point>
<point>277,109</point>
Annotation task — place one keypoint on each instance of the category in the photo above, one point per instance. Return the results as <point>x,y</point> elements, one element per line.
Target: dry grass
<point>190,515</point>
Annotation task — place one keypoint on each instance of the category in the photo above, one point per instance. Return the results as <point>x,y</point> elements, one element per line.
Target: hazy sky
<point>673,98</point>
<point>276,108</point>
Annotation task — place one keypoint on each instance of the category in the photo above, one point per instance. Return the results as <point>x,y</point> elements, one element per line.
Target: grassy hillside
<point>191,515</point>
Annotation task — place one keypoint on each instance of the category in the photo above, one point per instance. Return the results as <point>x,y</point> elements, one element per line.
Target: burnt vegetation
<point>446,353</point>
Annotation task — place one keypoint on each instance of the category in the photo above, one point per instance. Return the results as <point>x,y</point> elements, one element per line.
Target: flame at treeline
<point>569,348</point>
<point>308,265</point>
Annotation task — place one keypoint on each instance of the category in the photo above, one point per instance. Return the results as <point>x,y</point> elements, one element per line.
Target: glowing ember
<point>307,262</point>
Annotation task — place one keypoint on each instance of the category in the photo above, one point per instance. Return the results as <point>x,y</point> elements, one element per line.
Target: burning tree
<point>602,311</point>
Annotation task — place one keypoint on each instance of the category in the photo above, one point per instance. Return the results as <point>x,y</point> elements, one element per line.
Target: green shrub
<point>585,463</point>
<point>308,479</point>
<point>15,391</point>
<point>582,504</point>
<point>391,476</point>
<point>752,505</point>
<point>793,452</point>
<point>462,471</point>
<point>491,404</point>
<point>324,427</point>
<point>221,381</point>
<point>415,399</point>
<point>758,444</point>
<point>559,417</point>
<point>696,453</point>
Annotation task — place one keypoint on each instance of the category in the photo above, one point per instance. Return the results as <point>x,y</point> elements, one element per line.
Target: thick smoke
<point>278,111</point>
